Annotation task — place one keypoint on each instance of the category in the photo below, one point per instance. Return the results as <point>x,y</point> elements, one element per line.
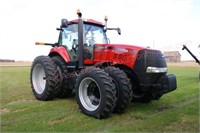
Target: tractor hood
<point>126,46</point>
<point>126,54</point>
<point>121,48</point>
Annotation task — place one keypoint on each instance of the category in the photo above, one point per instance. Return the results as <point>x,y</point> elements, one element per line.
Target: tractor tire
<point>141,97</point>
<point>62,90</point>
<point>95,92</point>
<point>123,87</point>
<point>157,97</point>
<point>199,76</point>
<point>44,78</point>
<point>137,94</point>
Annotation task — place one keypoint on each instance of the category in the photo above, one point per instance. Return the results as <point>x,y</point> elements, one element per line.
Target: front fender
<point>60,51</point>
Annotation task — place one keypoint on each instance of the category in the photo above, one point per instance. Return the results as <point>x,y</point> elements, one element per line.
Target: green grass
<point>177,111</point>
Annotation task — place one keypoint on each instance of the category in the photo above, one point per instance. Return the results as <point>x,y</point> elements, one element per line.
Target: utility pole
<point>153,43</point>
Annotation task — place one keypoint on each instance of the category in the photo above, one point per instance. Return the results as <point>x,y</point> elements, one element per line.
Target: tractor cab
<point>93,33</point>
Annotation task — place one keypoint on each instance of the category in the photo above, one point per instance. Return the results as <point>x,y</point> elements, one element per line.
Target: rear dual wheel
<point>62,88</point>
<point>44,78</point>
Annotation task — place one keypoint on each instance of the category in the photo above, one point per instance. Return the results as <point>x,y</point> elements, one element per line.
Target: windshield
<point>92,35</point>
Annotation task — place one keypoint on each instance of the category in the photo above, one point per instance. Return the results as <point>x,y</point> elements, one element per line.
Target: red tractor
<point>105,77</point>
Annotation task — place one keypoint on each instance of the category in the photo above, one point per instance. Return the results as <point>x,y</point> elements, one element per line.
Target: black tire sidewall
<point>102,88</point>
<point>62,90</point>
<point>123,87</point>
<point>48,92</point>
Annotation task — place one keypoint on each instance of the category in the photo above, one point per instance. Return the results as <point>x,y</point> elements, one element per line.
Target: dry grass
<point>176,64</point>
<point>18,63</point>
<point>183,64</point>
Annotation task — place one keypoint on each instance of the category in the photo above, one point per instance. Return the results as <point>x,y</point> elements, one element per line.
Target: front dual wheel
<point>95,93</point>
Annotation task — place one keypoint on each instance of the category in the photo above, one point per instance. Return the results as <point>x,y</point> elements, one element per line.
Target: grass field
<point>177,111</point>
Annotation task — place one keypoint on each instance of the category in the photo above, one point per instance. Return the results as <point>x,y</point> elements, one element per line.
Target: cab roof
<point>89,21</point>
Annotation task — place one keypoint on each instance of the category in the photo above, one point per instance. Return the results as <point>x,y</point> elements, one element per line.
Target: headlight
<point>156,69</point>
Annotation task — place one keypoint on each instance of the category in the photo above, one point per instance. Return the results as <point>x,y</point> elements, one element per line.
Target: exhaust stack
<point>80,41</point>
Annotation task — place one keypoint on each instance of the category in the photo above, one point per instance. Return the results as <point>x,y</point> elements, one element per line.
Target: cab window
<point>92,35</point>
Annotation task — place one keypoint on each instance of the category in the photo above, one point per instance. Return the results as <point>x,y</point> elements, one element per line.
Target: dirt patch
<point>60,119</point>
<point>165,108</point>
<point>18,63</point>
<point>20,101</point>
<point>4,111</point>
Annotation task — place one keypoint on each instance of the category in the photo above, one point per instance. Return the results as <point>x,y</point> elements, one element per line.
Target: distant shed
<point>172,56</point>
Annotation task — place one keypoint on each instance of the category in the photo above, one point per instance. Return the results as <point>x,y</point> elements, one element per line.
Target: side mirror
<point>119,31</point>
<point>64,23</point>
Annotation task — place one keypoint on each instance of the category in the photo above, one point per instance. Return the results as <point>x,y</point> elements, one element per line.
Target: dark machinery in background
<point>195,58</point>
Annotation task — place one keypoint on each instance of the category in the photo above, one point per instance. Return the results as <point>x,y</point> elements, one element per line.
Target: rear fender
<point>60,51</point>
<point>102,64</point>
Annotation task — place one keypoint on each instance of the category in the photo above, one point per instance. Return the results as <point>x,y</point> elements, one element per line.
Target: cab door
<point>68,38</point>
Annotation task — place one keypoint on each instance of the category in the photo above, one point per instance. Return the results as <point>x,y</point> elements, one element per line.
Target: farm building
<point>172,56</point>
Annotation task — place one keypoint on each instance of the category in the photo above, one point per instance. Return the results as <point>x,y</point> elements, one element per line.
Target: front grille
<point>145,59</point>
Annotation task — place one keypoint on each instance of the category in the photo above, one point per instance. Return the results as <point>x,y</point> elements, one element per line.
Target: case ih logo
<point>122,55</point>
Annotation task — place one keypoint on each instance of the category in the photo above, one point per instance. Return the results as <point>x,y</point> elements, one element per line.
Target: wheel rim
<point>89,94</point>
<point>39,79</point>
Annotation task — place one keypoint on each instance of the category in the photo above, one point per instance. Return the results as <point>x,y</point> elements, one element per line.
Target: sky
<point>160,24</point>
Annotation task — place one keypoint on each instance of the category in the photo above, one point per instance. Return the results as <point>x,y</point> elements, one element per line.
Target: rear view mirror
<point>64,23</point>
<point>119,31</point>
